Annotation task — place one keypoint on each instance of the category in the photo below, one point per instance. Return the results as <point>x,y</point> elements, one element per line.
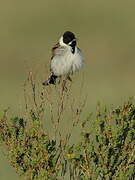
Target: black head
<point>70,39</point>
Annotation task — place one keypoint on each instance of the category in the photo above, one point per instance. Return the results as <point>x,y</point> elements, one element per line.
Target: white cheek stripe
<point>71,41</point>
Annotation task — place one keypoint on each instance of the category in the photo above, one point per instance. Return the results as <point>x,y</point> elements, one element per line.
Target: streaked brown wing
<point>54,49</point>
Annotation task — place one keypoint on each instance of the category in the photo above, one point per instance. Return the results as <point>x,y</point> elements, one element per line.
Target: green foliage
<point>30,151</point>
<point>107,152</point>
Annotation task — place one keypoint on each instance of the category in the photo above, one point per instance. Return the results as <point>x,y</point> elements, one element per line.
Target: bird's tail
<point>51,80</point>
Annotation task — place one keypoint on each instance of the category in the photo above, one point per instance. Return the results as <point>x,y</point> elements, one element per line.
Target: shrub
<point>109,152</point>
<point>105,151</point>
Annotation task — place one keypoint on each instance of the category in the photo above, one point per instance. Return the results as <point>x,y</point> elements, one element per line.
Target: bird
<point>66,58</point>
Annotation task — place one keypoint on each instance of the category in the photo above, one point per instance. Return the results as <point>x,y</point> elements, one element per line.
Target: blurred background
<point>106,34</point>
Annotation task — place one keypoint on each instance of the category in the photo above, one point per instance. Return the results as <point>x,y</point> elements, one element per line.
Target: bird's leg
<point>64,88</point>
<point>64,80</point>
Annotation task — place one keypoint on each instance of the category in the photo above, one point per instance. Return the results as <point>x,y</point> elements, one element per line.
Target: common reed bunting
<point>66,58</point>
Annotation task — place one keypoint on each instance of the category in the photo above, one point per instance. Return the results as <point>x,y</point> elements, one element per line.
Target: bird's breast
<point>65,62</point>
